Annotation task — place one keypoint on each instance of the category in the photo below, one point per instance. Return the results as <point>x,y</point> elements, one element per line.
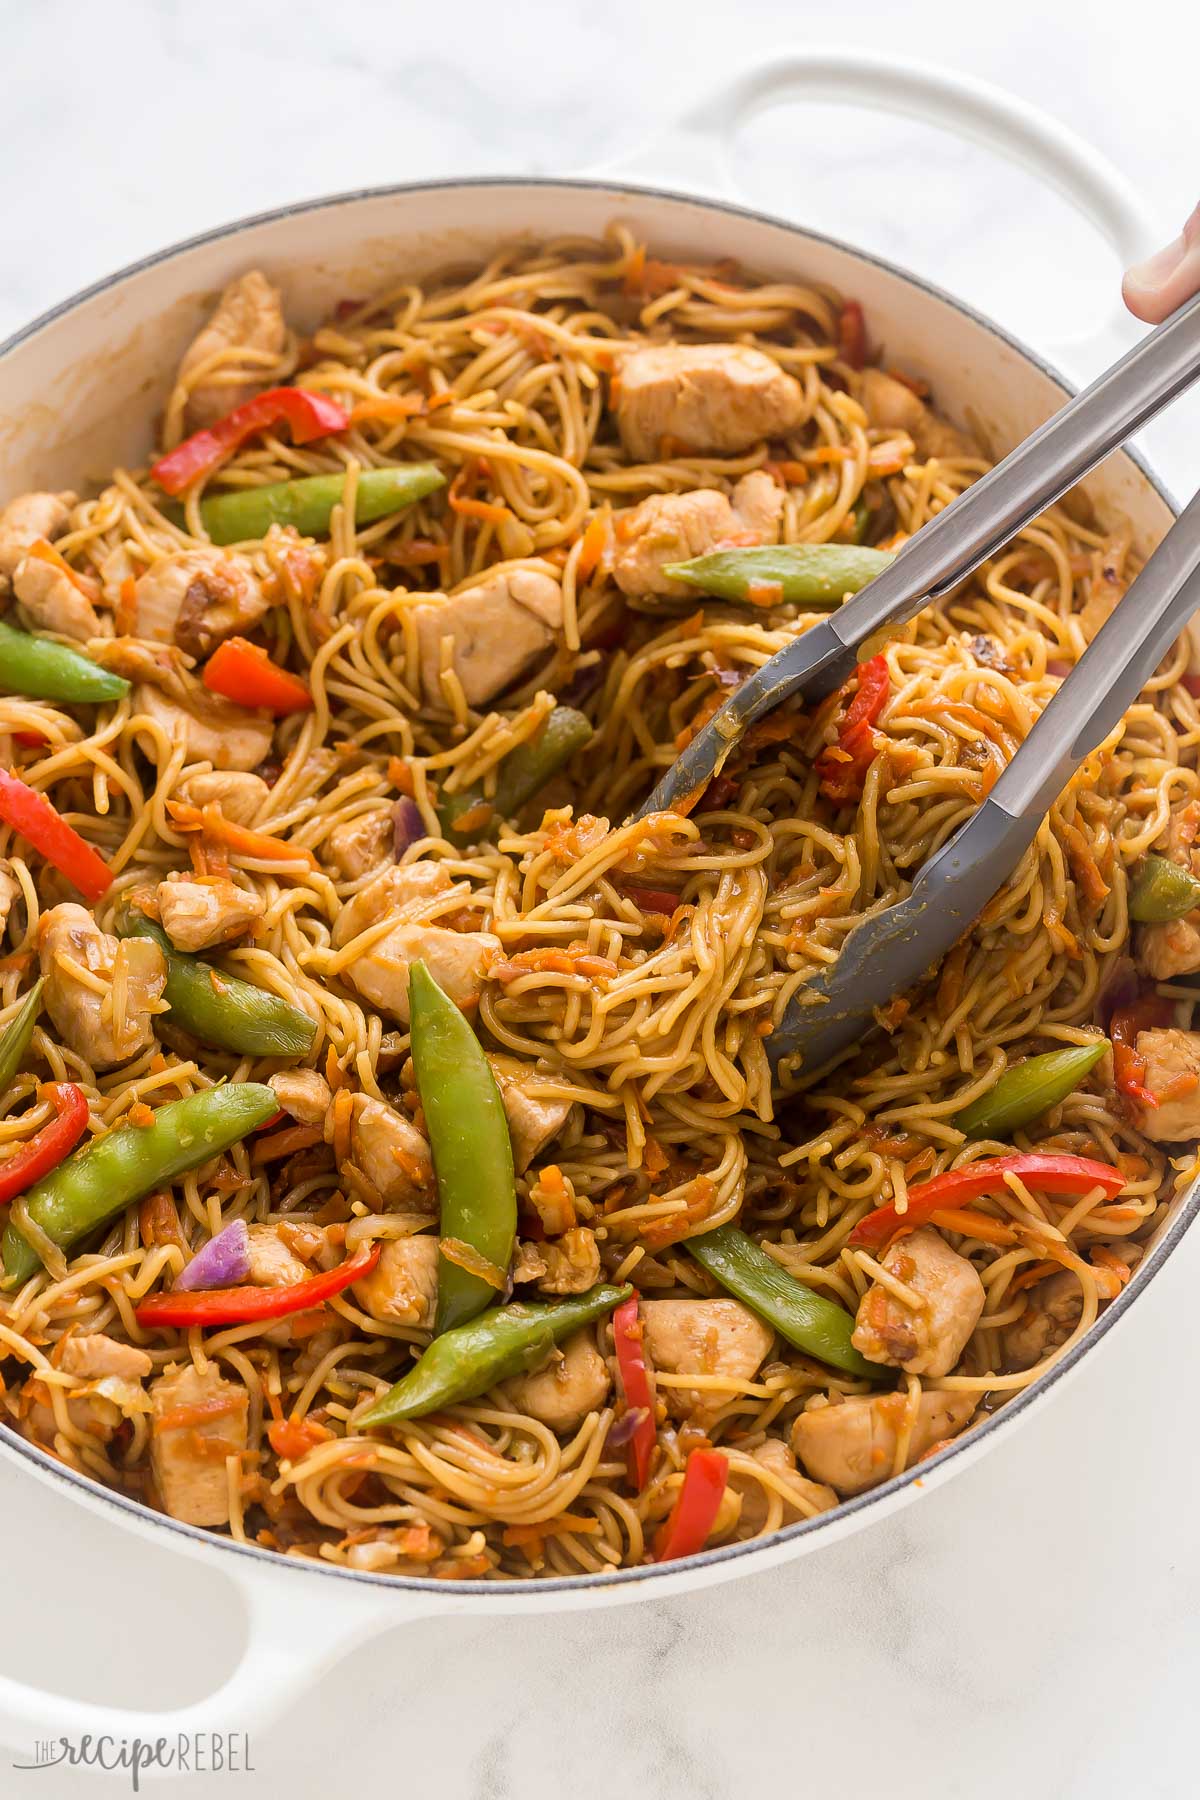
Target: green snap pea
<point>819,575</point>
<point>309,502</point>
<point>218,1008</point>
<point>1162,890</point>
<point>807,1320</point>
<point>522,774</point>
<point>18,1033</point>
<point>108,1174</point>
<point>1026,1092</point>
<point>43,670</point>
<point>469,1138</point>
<point>466,1362</point>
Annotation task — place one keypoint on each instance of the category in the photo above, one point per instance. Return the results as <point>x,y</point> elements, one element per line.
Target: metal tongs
<point>893,948</point>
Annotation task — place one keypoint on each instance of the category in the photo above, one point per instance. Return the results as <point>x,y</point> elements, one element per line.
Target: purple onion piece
<point>408,827</point>
<point>728,678</point>
<point>1056,666</point>
<point>223,1261</point>
<point>620,1433</point>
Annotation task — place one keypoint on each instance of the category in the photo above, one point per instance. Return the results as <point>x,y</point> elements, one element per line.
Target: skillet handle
<point>695,150</point>
<point>294,1635</point>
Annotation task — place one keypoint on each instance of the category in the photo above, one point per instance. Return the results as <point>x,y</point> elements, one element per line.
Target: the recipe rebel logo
<point>183,1753</point>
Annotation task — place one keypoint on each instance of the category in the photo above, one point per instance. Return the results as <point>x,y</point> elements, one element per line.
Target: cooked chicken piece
<point>53,601</point>
<point>778,1461</point>
<point>359,844</point>
<point>573,1383</point>
<point>198,911</point>
<point>249,316</point>
<point>392,1154</point>
<point>1171,949</point>
<point>456,959</point>
<point>1052,1311</point>
<point>703,397</point>
<point>1106,586</point>
<point>572,1262</point>
<point>96,1409</point>
<point>196,598</point>
<point>1172,1061</point>
<point>893,407</point>
<point>303,1094</point>
<point>671,528</point>
<point>531,1122</point>
<point>199,1420</point>
<point>92,1356</point>
<point>928,1341</point>
<point>703,1337</point>
<point>402,1287</point>
<point>10,890</point>
<point>101,991</point>
<point>851,1444</point>
<point>214,730</point>
<point>500,627</point>
<point>27,518</point>
<point>272,1263</point>
<point>240,796</point>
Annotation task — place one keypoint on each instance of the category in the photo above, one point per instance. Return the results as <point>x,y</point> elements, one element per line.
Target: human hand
<point>1156,287</point>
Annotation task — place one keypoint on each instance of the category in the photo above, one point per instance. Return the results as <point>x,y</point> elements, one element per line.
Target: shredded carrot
<point>293,1438</point>
<point>465,1256</point>
<point>470,507</point>
<point>1030,1276</point>
<point>827,453</point>
<point>140,1114</point>
<point>125,616</point>
<point>285,1143</point>
<point>1108,1259</point>
<point>764,593</point>
<point>183,1418</point>
<point>969,1223</point>
<point>343,1113</point>
<point>419,551</point>
<point>1084,866</point>
<point>388,406</point>
<point>595,539</point>
<point>580,1523</point>
<point>45,552</point>
<point>461,1568</point>
<point>238,838</point>
<point>553,962</point>
<point>951,984</point>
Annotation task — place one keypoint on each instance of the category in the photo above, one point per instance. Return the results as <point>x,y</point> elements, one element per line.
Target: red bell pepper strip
<point>243,672</point>
<point>695,1512</point>
<point>652,900</point>
<point>842,769</point>
<point>852,335</point>
<point>1047,1172</point>
<point>32,815</point>
<point>48,1147</point>
<point>1129,1069</point>
<point>635,1385</point>
<point>309,415</point>
<point>247,1305</point>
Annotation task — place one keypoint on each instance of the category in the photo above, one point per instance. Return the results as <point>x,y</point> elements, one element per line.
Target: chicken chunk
<point>1052,1311</point>
<point>703,1337</point>
<point>671,528</point>
<point>499,627</point>
<point>102,992</point>
<point>27,518</point>
<point>272,1263</point>
<point>456,959</point>
<point>851,1445</point>
<point>212,729</point>
<point>199,1420</point>
<point>574,1383</point>
<point>197,598</point>
<point>360,844</point>
<point>240,795</point>
<point>930,1340</point>
<point>892,406</point>
<point>402,1287</point>
<point>10,891</point>
<point>198,911</point>
<point>1172,1061</point>
<point>1171,949</point>
<point>93,1356</point>
<point>774,1457</point>
<point>392,1154</point>
<point>571,1264</point>
<point>532,1122</point>
<point>303,1094</point>
<point>53,601</point>
<point>703,397</point>
<point>248,316</point>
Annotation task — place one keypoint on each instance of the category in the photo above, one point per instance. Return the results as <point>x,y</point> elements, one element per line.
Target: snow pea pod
<point>17,1035</point>
<point>806,1319</point>
<point>466,1362</point>
<point>522,774</point>
<point>309,502</point>
<point>218,1008</point>
<point>469,1138</point>
<point>44,670</point>
<point>1162,890</point>
<point>1024,1093</point>
<point>109,1173</point>
<point>819,575</point>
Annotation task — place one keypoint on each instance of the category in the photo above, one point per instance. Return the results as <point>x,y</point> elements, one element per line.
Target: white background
<point>1030,1629</point>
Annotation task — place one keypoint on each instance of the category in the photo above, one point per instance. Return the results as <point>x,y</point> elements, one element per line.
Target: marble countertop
<point>1029,1629</point>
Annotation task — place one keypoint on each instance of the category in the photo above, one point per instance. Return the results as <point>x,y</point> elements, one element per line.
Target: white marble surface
<point>1030,1629</point>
